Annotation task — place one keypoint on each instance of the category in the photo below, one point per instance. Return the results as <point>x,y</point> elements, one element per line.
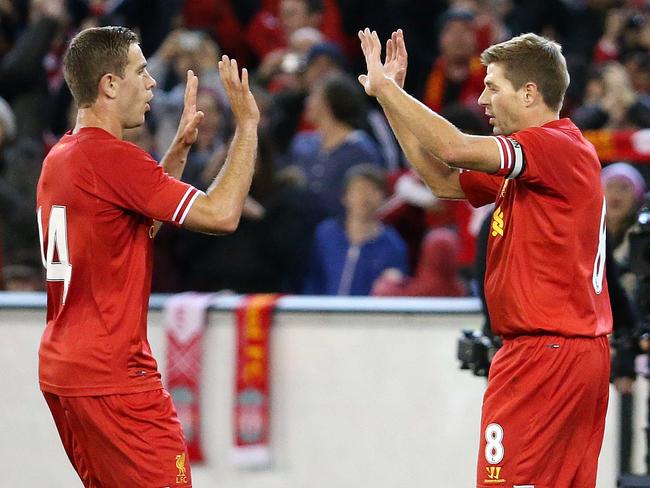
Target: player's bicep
<point>496,155</point>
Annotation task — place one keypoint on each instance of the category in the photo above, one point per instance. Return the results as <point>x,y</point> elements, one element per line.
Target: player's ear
<point>530,93</point>
<point>108,85</point>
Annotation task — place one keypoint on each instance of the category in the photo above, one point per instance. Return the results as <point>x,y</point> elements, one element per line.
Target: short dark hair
<point>369,172</point>
<point>344,98</point>
<point>530,57</point>
<point>91,54</point>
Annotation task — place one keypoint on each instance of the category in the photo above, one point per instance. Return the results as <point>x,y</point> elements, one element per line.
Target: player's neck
<point>539,118</point>
<point>92,117</point>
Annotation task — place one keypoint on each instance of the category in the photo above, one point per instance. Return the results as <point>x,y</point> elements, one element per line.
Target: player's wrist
<point>384,87</point>
<point>247,125</point>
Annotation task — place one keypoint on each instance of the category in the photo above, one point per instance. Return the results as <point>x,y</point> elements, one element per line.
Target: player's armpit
<point>210,217</point>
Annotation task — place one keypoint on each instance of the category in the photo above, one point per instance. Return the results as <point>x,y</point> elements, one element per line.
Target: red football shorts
<point>544,413</point>
<point>115,441</point>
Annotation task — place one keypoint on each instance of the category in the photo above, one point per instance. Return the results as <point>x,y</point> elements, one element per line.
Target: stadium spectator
<point>611,102</point>
<point>23,79</point>
<point>281,70</point>
<point>624,189</point>
<point>436,275</point>
<point>272,27</point>
<point>180,51</point>
<point>626,32</point>
<point>457,74</point>
<point>269,250</point>
<point>335,108</point>
<point>153,20</point>
<point>287,109</point>
<point>349,254</point>
<point>224,21</point>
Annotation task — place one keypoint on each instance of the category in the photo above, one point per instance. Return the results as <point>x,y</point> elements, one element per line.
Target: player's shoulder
<point>97,141</point>
<point>110,155</point>
<point>559,136</point>
<point>562,130</point>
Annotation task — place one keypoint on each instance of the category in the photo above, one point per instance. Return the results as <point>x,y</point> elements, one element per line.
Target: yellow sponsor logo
<point>494,475</point>
<point>181,477</point>
<point>497,222</point>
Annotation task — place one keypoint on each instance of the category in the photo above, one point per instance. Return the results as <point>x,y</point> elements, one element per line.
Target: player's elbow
<point>455,153</point>
<point>214,221</point>
<point>225,222</point>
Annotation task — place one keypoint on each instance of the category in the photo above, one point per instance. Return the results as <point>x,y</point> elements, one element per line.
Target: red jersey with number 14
<point>546,248</point>
<point>96,200</point>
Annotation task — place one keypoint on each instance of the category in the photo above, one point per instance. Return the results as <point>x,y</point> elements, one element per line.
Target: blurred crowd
<point>333,207</point>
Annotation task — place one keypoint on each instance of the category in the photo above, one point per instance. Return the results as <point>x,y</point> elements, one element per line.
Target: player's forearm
<point>434,172</point>
<point>229,189</point>
<point>433,132</point>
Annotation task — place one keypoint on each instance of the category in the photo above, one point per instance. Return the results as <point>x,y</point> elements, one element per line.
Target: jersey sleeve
<point>535,156</point>
<point>480,188</point>
<point>133,180</point>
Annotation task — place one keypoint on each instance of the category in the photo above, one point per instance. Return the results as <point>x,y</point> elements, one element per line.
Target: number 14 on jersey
<point>57,238</point>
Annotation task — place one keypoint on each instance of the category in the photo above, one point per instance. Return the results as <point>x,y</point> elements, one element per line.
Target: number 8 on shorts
<point>494,450</point>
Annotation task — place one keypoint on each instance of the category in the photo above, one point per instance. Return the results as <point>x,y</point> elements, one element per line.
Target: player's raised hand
<point>396,58</point>
<point>241,99</point>
<point>188,127</point>
<point>371,47</point>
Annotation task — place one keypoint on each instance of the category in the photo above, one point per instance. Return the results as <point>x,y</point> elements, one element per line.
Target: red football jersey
<point>546,248</point>
<point>96,200</point>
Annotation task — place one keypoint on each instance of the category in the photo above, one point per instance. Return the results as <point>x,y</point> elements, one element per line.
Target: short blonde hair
<point>532,58</point>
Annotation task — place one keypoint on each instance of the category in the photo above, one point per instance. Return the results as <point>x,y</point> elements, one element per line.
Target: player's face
<point>502,103</point>
<point>135,89</point>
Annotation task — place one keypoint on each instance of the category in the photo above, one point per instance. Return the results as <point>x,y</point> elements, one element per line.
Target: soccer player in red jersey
<point>100,202</point>
<point>544,409</point>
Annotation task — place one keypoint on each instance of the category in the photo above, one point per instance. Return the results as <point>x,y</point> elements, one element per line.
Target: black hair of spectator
<point>344,98</point>
<point>367,172</point>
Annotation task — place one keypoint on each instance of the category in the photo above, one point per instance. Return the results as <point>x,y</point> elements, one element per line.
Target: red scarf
<point>252,381</point>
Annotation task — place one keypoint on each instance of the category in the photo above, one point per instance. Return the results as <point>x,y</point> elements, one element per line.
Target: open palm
<point>395,64</point>
<point>396,58</point>
<point>191,117</point>
<point>371,48</point>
